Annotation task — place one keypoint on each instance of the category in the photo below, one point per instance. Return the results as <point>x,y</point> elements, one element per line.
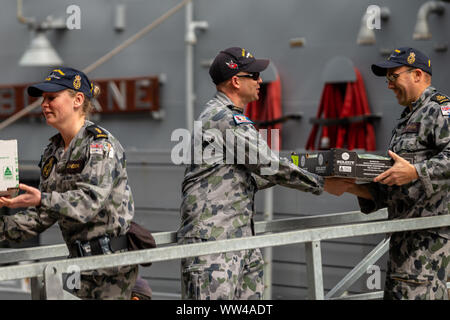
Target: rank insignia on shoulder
<point>97,132</point>
<point>48,166</point>
<point>440,98</point>
<point>238,119</point>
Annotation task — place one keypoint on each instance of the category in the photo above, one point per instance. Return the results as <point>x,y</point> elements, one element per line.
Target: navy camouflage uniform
<point>85,190</point>
<point>418,264</point>
<point>218,201</point>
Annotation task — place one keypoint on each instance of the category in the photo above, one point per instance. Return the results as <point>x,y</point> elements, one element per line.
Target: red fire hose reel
<point>346,121</point>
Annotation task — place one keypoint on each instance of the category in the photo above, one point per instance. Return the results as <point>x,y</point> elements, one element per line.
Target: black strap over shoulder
<point>97,132</point>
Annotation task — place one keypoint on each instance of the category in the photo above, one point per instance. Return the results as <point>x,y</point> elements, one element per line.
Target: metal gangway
<point>46,265</point>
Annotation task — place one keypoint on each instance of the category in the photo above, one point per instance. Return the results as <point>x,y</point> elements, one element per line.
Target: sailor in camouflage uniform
<point>219,186</point>
<point>83,187</point>
<point>418,264</point>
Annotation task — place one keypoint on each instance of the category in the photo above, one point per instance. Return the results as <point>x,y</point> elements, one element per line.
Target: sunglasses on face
<point>253,76</point>
<point>394,76</point>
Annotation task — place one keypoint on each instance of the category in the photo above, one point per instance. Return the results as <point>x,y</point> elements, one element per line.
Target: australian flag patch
<point>239,119</point>
<point>445,110</point>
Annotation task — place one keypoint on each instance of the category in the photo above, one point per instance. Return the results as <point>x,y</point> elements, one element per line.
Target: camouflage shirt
<point>218,190</point>
<point>85,189</point>
<point>423,132</point>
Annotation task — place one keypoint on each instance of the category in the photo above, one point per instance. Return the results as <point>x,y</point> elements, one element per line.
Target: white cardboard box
<point>9,168</point>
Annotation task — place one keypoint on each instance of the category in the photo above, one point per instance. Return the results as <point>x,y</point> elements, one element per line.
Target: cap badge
<point>246,54</point>
<point>77,82</point>
<point>231,65</point>
<point>411,58</point>
<point>442,99</point>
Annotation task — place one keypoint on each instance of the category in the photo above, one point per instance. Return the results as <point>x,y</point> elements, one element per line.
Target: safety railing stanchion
<point>314,270</point>
<point>37,288</point>
<point>53,284</point>
<point>268,251</point>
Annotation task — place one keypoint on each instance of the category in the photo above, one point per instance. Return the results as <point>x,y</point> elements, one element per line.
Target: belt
<point>98,246</point>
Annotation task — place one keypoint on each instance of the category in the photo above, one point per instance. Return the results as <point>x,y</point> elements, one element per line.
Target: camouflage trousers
<point>234,275</point>
<point>109,285</point>
<point>418,267</point>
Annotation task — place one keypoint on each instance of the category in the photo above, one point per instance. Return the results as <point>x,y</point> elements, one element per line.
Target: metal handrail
<point>311,235</point>
<point>164,238</point>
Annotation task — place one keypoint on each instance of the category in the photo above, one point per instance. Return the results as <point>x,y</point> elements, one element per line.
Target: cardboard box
<point>9,168</point>
<point>344,163</point>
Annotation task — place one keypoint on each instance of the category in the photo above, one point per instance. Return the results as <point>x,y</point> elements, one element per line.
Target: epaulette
<point>440,98</point>
<point>234,108</point>
<point>96,132</point>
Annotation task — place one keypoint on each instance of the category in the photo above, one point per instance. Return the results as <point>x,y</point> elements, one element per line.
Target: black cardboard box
<point>345,163</point>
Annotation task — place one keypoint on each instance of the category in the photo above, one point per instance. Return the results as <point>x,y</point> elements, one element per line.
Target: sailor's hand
<point>337,186</point>
<point>31,198</point>
<point>402,172</point>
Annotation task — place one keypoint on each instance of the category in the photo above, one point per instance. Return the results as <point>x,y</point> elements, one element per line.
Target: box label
<point>9,174</point>
<point>345,169</point>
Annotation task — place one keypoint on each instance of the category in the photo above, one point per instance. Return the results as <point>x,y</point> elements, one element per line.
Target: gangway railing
<point>47,275</point>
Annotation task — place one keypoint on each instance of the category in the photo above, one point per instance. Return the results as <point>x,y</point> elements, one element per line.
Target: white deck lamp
<point>422,29</point>
<point>40,52</point>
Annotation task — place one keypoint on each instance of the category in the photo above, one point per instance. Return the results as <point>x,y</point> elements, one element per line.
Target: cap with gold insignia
<point>403,57</point>
<point>233,60</point>
<point>61,79</point>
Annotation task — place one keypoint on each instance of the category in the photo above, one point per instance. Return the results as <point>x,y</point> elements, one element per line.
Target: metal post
<point>268,216</point>
<point>189,71</point>
<point>53,283</point>
<point>314,270</point>
<point>191,40</point>
<point>37,287</point>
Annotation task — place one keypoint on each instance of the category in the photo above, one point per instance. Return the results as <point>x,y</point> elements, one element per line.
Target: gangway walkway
<point>46,276</point>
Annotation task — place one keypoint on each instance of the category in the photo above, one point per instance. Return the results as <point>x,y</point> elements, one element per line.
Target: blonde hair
<point>87,107</point>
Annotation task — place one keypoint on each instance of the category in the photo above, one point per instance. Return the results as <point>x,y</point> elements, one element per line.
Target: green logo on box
<point>7,174</point>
